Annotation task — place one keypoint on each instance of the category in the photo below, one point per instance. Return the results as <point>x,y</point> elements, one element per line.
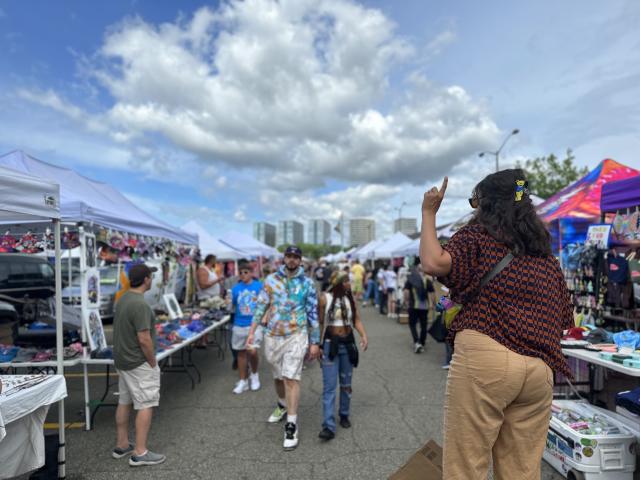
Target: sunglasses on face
<point>245,272</point>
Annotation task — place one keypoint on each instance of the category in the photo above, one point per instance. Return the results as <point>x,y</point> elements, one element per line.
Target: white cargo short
<point>140,386</point>
<point>286,354</point>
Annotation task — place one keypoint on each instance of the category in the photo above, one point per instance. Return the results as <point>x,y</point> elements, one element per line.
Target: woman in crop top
<point>338,318</point>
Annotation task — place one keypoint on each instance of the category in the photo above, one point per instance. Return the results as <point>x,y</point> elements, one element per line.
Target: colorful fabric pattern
<point>245,300</point>
<point>291,305</point>
<point>525,308</point>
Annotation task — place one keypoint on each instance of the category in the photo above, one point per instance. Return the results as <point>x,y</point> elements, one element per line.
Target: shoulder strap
<point>496,270</point>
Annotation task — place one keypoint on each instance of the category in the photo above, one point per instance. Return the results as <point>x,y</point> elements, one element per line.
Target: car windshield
<point>109,275</point>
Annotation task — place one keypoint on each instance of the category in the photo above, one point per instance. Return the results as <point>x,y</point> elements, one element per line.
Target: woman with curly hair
<point>338,318</point>
<point>507,336</point>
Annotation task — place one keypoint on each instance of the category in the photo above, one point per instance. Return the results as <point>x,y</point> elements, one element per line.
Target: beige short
<point>140,386</point>
<point>286,354</point>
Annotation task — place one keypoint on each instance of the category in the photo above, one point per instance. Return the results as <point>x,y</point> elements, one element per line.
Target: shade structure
<point>250,245</point>
<point>620,195</point>
<point>366,252</point>
<point>86,200</point>
<point>28,198</point>
<point>210,245</point>
<point>387,248</point>
<point>410,249</point>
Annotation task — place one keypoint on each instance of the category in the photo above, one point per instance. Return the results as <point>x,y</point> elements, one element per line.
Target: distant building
<point>408,226</point>
<point>290,232</point>
<point>361,231</point>
<point>319,232</point>
<point>265,233</point>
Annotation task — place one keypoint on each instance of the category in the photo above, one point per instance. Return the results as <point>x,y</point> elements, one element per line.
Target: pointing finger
<point>443,189</point>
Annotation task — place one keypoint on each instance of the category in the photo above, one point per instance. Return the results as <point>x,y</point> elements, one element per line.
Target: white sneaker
<point>254,381</point>
<point>290,436</point>
<point>445,367</point>
<point>416,348</point>
<point>241,387</point>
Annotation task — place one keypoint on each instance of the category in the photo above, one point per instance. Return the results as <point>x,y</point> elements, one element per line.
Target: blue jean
<point>371,291</point>
<point>340,367</point>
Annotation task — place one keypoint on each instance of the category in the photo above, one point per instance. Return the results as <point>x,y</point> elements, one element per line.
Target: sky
<point>239,111</point>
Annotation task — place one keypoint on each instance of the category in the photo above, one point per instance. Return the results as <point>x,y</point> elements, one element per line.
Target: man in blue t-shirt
<point>244,299</point>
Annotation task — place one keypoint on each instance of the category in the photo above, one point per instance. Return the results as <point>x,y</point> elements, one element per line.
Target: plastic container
<point>603,449</point>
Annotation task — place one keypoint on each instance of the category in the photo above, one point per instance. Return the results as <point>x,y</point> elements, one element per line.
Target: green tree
<point>548,175</point>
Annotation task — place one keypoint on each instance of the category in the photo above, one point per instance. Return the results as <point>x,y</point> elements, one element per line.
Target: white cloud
<point>240,214</point>
<point>289,86</point>
<point>440,42</point>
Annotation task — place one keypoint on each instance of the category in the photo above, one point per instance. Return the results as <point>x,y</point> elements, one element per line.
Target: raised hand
<point>433,198</point>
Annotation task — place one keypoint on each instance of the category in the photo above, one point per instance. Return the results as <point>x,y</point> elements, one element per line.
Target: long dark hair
<point>512,222</point>
<point>340,292</point>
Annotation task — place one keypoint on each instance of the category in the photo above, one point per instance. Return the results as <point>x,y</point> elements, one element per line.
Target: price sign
<point>598,235</point>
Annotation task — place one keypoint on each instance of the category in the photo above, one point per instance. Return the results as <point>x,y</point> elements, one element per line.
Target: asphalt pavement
<point>210,433</point>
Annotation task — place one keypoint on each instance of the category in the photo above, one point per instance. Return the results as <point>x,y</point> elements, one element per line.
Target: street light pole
<point>515,131</point>
<point>399,209</point>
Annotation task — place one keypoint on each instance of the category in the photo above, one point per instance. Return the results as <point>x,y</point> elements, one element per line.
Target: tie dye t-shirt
<point>290,306</point>
<point>245,299</point>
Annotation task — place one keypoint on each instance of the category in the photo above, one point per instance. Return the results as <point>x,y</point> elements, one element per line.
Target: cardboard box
<point>425,464</point>
<point>403,318</point>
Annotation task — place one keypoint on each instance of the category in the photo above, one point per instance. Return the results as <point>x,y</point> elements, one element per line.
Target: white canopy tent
<point>89,201</point>
<point>410,249</point>
<point>387,248</point>
<point>208,244</point>
<point>250,245</point>
<point>366,252</point>
<point>26,198</point>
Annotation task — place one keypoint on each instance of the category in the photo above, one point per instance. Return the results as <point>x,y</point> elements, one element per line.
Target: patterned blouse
<point>525,307</point>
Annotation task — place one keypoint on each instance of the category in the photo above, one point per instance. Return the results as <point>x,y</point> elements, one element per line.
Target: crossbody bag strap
<point>496,270</point>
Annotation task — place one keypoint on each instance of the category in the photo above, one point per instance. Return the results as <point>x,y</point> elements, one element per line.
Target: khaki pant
<point>497,403</point>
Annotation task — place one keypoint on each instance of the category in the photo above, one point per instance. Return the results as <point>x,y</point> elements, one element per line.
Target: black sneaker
<point>344,422</point>
<point>326,434</point>
<point>290,436</point>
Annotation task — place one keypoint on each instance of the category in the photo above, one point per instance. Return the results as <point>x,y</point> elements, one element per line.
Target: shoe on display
<point>278,414</point>
<point>148,458</point>
<point>445,367</point>
<point>326,434</point>
<point>241,387</point>
<point>416,348</point>
<point>122,452</point>
<point>290,436</point>
<point>254,381</point>
<point>344,422</point>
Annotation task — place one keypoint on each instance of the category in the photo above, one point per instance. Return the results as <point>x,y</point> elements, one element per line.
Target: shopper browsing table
<point>507,335</point>
<point>338,318</point>
<point>290,303</point>
<point>134,355</point>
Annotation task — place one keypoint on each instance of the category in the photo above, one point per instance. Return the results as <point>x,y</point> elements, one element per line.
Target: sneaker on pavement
<point>278,414</point>
<point>416,348</point>
<point>148,458</point>
<point>254,381</point>
<point>326,434</point>
<point>290,436</point>
<point>421,349</point>
<point>344,422</point>
<point>122,452</point>
<point>445,367</point>
<point>241,387</point>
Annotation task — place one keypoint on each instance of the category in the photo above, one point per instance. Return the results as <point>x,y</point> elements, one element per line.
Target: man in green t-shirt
<point>134,354</point>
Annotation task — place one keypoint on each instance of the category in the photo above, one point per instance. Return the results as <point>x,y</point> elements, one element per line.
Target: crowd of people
<point>505,339</point>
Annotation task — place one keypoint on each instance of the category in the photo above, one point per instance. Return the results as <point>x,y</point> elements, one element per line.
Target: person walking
<point>357,271</point>
<point>338,318</point>
<point>288,304</point>
<point>134,355</point>
<point>244,297</point>
<point>419,297</point>
<point>506,337</point>
<point>390,285</point>
<point>382,291</point>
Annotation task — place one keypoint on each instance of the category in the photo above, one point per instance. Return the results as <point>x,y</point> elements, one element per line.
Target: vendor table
<point>594,360</point>
<point>24,403</point>
<point>167,365</point>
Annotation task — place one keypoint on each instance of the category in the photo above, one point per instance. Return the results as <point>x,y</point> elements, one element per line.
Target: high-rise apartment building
<point>265,233</point>
<point>408,226</point>
<point>361,231</point>
<point>319,232</point>
<point>290,232</point>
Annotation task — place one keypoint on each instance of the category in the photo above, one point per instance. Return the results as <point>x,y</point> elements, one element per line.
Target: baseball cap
<point>138,273</point>
<point>293,250</point>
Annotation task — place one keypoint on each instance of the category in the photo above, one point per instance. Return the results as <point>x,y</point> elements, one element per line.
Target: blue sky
<point>259,110</point>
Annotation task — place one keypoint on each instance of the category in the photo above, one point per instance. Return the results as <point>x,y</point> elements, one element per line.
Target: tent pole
<point>59,349</point>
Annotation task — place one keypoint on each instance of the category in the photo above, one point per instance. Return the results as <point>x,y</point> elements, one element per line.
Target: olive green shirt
<point>133,315</point>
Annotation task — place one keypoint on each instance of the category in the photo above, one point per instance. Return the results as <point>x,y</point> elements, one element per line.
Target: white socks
<point>292,419</point>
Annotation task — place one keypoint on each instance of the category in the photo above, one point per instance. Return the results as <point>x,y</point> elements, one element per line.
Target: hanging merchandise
<point>93,332</point>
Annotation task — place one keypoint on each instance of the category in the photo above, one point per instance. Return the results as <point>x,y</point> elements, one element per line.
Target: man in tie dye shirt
<point>288,311</point>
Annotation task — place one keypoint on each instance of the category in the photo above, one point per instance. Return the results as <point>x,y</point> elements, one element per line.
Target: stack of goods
<point>13,354</point>
<point>177,331</point>
<point>580,264</point>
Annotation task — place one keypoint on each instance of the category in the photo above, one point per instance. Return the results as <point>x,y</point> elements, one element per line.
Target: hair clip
<point>521,189</point>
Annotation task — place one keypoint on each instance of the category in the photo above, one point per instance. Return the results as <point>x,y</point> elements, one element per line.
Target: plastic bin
<point>583,455</point>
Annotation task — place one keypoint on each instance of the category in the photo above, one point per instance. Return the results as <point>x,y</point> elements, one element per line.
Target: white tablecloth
<point>22,416</point>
